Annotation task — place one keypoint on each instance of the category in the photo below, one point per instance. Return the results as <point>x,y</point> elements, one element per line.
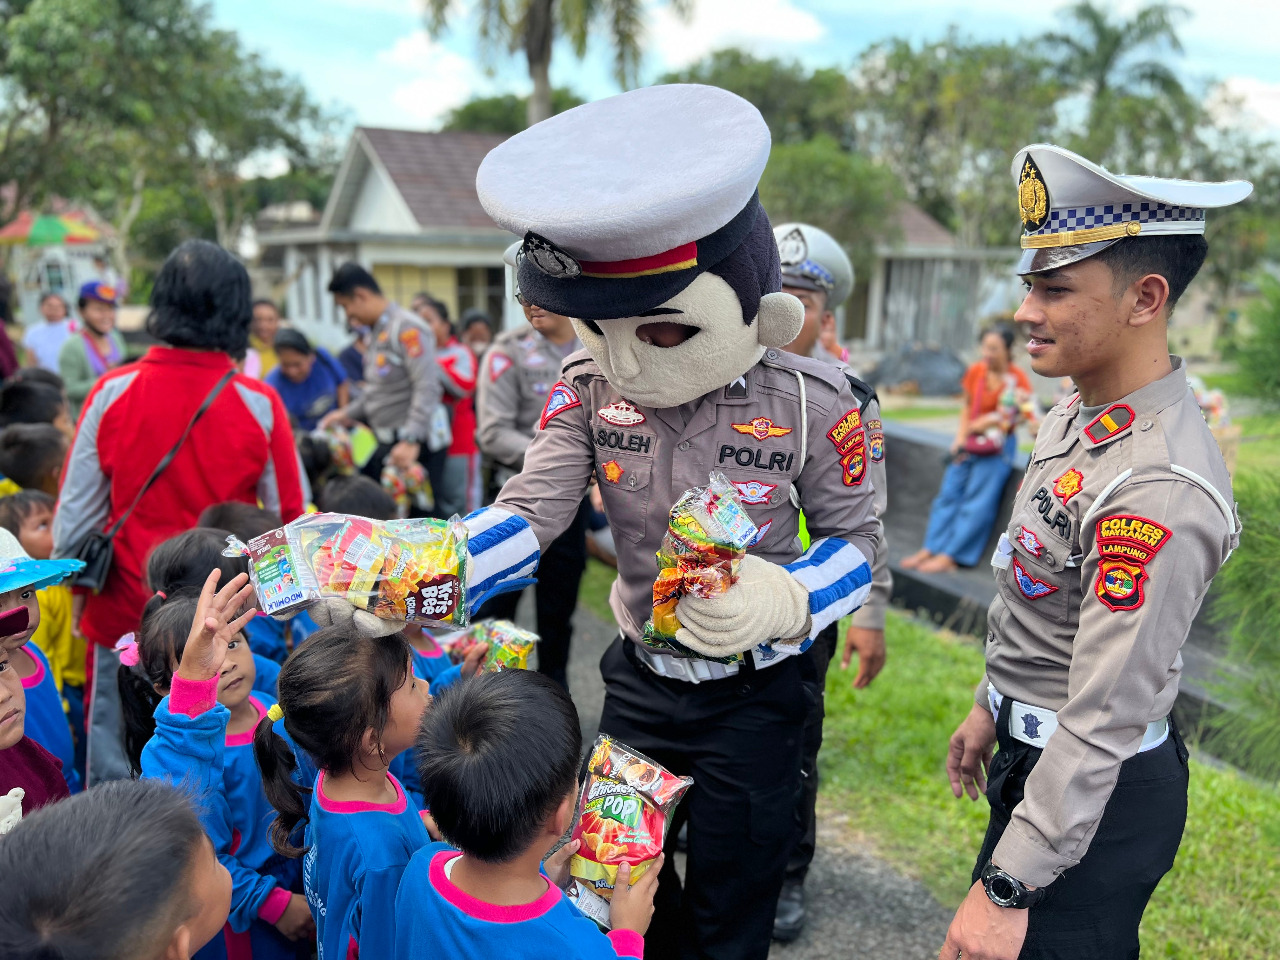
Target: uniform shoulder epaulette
<point>827,373</point>
<point>863,391</point>
<point>508,337</point>
<point>580,363</point>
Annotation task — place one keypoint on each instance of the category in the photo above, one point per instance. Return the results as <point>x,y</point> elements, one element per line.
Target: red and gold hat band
<point>678,258</point>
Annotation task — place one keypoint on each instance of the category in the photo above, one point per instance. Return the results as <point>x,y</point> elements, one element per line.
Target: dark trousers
<point>739,738</point>
<point>432,460</point>
<point>1093,910</point>
<point>821,654</point>
<point>559,576</point>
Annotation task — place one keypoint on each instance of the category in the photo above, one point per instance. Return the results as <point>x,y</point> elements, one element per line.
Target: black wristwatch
<point>1006,891</point>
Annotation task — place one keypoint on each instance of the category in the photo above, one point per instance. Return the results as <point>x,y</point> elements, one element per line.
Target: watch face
<point>1001,889</point>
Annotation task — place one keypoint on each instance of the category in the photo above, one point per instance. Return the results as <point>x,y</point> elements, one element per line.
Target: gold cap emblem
<point>1033,197</point>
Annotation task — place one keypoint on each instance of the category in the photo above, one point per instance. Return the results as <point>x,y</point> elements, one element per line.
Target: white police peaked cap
<point>509,258</point>
<point>623,202</point>
<point>1072,208</point>
<point>813,260</point>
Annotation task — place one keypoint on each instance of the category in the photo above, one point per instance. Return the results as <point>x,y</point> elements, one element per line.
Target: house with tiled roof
<point>404,205</point>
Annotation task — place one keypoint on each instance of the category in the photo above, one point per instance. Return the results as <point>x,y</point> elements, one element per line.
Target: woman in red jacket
<point>240,449</point>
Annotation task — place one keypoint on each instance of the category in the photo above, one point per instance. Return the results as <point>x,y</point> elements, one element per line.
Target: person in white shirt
<point>44,338</point>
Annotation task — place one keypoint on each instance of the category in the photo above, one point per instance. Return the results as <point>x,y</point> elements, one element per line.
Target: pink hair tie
<point>162,595</point>
<point>127,646</point>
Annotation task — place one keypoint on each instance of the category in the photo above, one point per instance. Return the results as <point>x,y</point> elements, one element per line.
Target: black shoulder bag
<point>96,548</point>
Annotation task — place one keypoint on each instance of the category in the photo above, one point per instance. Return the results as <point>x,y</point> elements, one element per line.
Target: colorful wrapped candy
<point>409,488</point>
<point>624,809</point>
<point>509,645</point>
<point>410,570</point>
<point>706,539</point>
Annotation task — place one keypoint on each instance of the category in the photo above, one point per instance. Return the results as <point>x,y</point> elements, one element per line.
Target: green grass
<point>920,413</point>
<point>594,592</point>
<point>1260,444</point>
<point>883,764</point>
<point>1229,382</point>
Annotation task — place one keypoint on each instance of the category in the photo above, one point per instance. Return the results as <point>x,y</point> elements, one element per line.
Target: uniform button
<point>631,482</point>
<point>771,355</point>
<point>1145,425</point>
<point>744,690</point>
<point>684,444</point>
<point>1048,558</point>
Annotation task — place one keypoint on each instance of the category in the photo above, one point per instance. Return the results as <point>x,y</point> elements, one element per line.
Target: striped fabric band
<point>503,552</point>
<point>838,578</point>
<point>1074,225</point>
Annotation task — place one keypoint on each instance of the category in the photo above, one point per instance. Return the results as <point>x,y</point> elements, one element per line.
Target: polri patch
<point>612,471</point>
<point>875,440</point>
<point>753,491</point>
<point>1119,584</point>
<point>561,398</point>
<point>1068,485</point>
<point>1030,542</point>
<point>756,457</point>
<point>847,433</point>
<point>499,363</point>
<point>853,466</point>
<point>411,340</point>
<point>1114,420</point>
<point>762,428</point>
<point>1127,537</point>
<point>1059,521</point>
<point>620,413</point>
<point>1029,586</point>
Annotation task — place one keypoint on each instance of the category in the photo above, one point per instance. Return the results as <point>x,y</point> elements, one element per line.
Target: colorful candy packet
<point>409,570</point>
<point>509,645</point>
<point>706,539</point>
<point>624,809</point>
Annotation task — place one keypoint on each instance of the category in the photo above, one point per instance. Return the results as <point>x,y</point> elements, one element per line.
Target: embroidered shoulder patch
<point>1119,585</point>
<point>1111,421</point>
<point>1126,545</point>
<point>875,440</point>
<point>561,398</point>
<point>853,465</point>
<point>847,433</point>
<point>1068,485</point>
<point>1030,542</point>
<point>411,340</point>
<point>1029,586</point>
<point>499,363</point>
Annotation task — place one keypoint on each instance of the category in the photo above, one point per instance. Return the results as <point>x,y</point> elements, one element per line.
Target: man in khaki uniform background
<point>1123,519</point>
<point>516,375</point>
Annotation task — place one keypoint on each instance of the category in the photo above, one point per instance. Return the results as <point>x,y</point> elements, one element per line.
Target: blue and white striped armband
<point>503,554</point>
<point>838,578</point>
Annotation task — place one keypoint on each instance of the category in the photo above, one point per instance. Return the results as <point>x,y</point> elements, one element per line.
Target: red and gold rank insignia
<point>411,340</point>
<point>612,471</point>
<point>1126,544</point>
<point>847,433</point>
<point>762,428</point>
<point>1112,421</point>
<point>1068,485</point>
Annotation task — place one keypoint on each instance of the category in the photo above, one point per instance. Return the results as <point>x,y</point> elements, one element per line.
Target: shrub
<point>1259,355</point>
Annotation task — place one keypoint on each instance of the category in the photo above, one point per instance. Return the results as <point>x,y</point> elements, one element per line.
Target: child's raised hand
<point>215,626</point>
<point>296,922</point>
<point>632,906</point>
<point>557,865</point>
<point>472,661</point>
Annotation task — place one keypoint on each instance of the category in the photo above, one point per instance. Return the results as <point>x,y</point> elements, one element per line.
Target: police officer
<point>816,270</point>
<point>517,374</point>
<point>1123,519</point>
<point>655,242</point>
<point>401,401</point>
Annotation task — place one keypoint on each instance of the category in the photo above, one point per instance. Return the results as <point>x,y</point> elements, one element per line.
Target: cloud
<point>1259,100</point>
<point>762,26</point>
<point>425,79</point>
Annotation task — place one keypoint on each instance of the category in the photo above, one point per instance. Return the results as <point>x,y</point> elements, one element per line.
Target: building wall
<point>378,208</point>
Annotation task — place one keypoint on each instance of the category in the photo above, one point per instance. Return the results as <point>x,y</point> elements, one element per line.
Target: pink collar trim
<point>434,653</point>
<point>36,678</point>
<point>490,912</point>
<point>246,738</point>
<point>360,806</point>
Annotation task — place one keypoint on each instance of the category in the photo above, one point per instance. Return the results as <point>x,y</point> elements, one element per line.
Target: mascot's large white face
<point>694,343</point>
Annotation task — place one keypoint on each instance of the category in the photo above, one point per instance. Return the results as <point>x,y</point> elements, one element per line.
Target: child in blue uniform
<point>499,758</point>
<point>207,733</point>
<point>430,663</point>
<point>46,720</point>
<point>353,704</point>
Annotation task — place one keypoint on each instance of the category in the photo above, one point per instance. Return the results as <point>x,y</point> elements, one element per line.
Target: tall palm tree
<point>532,25</point>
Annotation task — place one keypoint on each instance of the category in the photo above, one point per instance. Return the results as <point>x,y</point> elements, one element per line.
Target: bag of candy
<point>624,809</point>
<point>706,539</point>
<point>410,570</point>
<point>410,489</point>
<point>509,645</point>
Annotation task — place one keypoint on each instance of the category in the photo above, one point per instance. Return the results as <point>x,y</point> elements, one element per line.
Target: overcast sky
<point>374,59</point>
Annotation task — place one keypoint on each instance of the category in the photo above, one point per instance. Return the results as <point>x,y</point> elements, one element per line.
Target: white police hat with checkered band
<point>1072,208</point>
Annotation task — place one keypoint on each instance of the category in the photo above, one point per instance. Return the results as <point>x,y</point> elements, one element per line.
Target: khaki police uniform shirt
<point>1122,521</point>
<point>516,375</point>
<point>646,458</point>
<point>871,615</point>
<point>402,383</point>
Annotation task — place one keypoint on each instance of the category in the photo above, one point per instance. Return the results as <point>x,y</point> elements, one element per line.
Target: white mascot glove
<point>335,612</point>
<point>766,603</point>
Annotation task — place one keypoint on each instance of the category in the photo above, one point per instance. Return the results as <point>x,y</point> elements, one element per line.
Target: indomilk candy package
<point>624,809</point>
<point>410,570</point>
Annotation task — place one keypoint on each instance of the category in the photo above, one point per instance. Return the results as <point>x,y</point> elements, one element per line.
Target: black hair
<point>437,305</point>
<point>489,784</point>
<point>753,268</point>
<point>332,689</point>
<point>186,559</point>
<point>264,302</point>
<point>316,455</point>
<point>161,638</point>
<point>295,340</point>
<point>201,300</point>
<point>1001,330</point>
<point>474,315</point>
<point>348,277</point>
<point>31,453</point>
<point>39,375</point>
<point>54,296</point>
<point>103,875</point>
<point>358,496</point>
<point>28,401</point>
<point>18,506</point>
<point>245,520</point>
<point>1176,257</point>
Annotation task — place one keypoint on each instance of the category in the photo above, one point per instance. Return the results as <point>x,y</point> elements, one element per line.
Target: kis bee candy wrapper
<point>509,645</point>
<point>706,539</point>
<point>624,810</point>
<point>410,570</point>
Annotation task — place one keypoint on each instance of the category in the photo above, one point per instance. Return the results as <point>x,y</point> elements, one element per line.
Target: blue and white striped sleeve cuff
<point>503,553</point>
<point>838,578</point>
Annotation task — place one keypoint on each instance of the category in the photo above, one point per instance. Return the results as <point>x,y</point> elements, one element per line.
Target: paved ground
<point>859,905</point>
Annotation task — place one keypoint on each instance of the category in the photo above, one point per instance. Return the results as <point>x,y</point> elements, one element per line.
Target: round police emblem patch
<point>549,258</point>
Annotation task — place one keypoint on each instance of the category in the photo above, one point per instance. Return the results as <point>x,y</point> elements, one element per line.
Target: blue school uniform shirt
<point>435,919</point>
<point>356,853</point>
<point>46,721</point>
<point>315,396</point>
<point>438,671</point>
<point>220,771</point>
<point>267,634</point>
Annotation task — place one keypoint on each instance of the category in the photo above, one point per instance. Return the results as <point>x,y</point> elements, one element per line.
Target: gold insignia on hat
<point>1033,197</point>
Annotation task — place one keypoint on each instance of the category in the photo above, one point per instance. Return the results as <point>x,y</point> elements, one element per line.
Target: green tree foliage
<point>507,113</point>
<point>1259,360</point>
<point>531,26</point>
